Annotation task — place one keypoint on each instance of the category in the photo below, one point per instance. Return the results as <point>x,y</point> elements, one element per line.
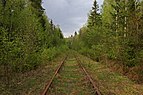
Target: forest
<point>29,39</point>
<point>114,35</point>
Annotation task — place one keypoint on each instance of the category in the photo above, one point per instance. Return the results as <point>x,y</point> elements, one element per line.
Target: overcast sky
<point>71,15</point>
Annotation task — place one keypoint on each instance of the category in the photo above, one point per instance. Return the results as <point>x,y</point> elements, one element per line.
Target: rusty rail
<point>51,81</point>
<point>97,92</point>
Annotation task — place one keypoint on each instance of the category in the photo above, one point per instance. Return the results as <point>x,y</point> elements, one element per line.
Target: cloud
<point>71,15</point>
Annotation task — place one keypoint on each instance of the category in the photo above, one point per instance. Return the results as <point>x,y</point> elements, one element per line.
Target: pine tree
<point>94,17</point>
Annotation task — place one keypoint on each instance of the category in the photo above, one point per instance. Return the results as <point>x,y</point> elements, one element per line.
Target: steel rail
<point>96,89</point>
<point>51,81</point>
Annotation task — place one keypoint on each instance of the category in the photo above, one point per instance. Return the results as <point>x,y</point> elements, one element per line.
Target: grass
<point>33,82</point>
<point>111,82</point>
<point>71,80</point>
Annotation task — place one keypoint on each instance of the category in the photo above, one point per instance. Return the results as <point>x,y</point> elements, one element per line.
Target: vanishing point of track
<point>92,82</point>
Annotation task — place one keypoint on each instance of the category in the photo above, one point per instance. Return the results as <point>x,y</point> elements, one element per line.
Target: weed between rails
<point>71,81</point>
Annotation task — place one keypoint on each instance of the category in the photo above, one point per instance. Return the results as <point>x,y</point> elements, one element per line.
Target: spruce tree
<point>94,16</point>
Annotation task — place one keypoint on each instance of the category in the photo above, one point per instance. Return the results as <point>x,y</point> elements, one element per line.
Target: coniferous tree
<point>94,16</point>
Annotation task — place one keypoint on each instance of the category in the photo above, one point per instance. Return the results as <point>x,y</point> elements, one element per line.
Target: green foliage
<point>116,33</point>
<point>50,53</point>
<point>25,34</point>
<point>107,10</point>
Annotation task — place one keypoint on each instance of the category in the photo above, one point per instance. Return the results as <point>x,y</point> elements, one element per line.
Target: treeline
<point>114,33</point>
<point>27,37</point>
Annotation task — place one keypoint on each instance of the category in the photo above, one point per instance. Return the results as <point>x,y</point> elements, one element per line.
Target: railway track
<point>75,76</point>
<point>51,81</point>
<point>96,89</point>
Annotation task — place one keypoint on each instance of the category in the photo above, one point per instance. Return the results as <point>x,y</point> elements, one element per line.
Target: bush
<point>51,53</point>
